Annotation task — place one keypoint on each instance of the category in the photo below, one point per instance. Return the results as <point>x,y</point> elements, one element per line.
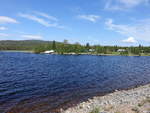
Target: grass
<point>95,110</point>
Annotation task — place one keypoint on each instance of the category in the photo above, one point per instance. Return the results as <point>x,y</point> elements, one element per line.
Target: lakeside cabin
<point>91,50</point>
<point>121,50</point>
<point>49,52</point>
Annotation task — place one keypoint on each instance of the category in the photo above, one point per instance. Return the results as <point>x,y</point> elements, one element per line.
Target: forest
<point>39,46</point>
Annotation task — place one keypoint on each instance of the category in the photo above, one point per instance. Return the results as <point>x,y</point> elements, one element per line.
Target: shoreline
<point>135,100</point>
<point>75,54</point>
<point>100,54</point>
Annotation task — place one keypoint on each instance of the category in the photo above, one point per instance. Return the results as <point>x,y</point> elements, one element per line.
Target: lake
<point>37,83</point>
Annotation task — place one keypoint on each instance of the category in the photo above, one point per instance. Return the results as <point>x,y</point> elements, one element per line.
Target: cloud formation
<point>32,37</point>
<point>4,35</point>
<point>52,18</point>
<point>42,21</point>
<point>124,4</point>
<point>130,40</point>
<point>92,18</point>
<point>3,28</point>
<point>5,19</point>
<point>140,30</point>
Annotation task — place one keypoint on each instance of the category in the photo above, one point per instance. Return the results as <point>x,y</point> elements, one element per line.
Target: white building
<point>121,50</point>
<point>91,50</point>
<point>49,52</point>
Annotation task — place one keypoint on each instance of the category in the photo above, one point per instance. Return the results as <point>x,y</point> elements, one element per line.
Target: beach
<point>136,100</point>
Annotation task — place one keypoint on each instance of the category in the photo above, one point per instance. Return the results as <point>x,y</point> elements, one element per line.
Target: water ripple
<point>42,83</point>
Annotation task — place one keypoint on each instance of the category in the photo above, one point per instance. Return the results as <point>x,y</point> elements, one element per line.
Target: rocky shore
<point>135,100</point>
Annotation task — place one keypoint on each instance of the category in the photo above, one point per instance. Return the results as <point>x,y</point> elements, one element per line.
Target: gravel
<point>135,100</point>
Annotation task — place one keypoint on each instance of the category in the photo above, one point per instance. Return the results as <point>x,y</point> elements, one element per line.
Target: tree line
<point>64,47</point>
<point>21,44</point>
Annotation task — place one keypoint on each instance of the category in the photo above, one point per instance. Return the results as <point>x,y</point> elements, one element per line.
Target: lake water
<point>37,83</point>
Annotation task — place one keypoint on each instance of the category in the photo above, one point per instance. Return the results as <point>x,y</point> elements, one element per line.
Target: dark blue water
<point>45,83</point>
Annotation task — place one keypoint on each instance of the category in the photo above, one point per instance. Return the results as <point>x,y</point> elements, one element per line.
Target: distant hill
<point>21,44</point>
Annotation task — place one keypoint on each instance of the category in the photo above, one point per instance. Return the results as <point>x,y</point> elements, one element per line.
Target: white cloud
<point>4,35</point>
<point>140,30</point>
<point>131,3</point>
<point>3,28</point>
<point>130,40</point>
<point>123,29</point>
<point>5,19</point>
<point>52,18</point>
<point>44,22</point>
<point>35,18</point>
<point>32,37</point>
<point>92,18</point>
<point>124,4</point>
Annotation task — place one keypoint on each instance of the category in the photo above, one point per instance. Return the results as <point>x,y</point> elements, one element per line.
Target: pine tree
<point>54,45</point>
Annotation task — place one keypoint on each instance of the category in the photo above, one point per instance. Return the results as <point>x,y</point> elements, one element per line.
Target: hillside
<point>21,44</point>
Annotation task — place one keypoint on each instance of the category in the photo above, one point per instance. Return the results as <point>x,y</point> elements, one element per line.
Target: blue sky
<point>104,22</point>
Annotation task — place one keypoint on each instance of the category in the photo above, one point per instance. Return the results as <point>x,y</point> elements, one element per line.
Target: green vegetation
<point>95,110</point>
<point>27,45</point>
<point>65,47</point>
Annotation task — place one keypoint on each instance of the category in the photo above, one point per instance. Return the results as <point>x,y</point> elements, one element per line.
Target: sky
<point>103,22</point>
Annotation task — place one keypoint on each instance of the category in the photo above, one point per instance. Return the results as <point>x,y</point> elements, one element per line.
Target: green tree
<point>77,48</point>
<point>125,53</point>
<point>66,41</point>
<point>54,45</point>
<point>87,46</point>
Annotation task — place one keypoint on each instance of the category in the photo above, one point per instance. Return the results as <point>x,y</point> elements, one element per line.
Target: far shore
<point>136,100</point>
<point>102,54</point>
<point>24,51</point>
